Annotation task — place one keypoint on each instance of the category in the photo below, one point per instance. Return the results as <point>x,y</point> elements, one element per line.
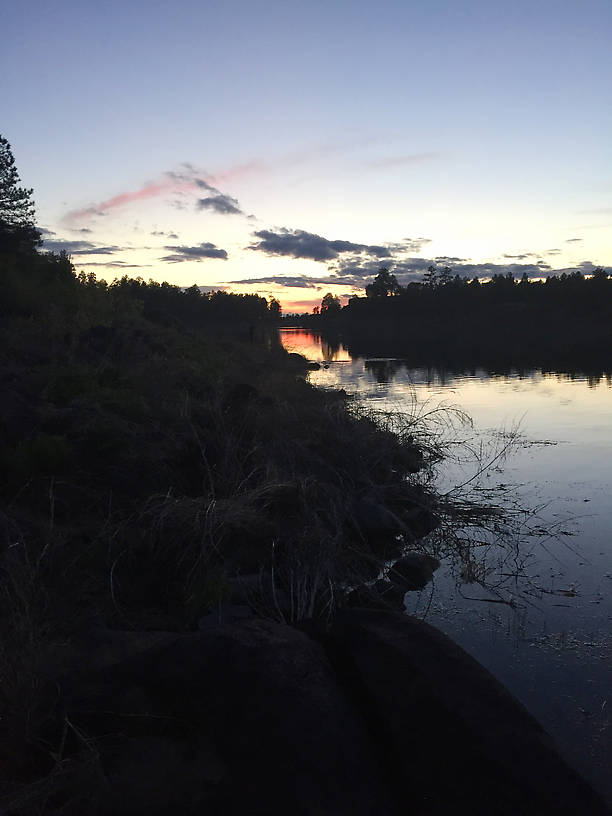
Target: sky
<point>292,148</point>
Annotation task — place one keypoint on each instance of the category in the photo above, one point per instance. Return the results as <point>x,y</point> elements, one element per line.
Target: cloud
<point>412,269</point>
<point>553,252</point>
<point>193,253</point>
<point>407,245</point>
<point>79,247</point>
<point>297,243</point>
<point>447,260</point>
<point>297,281</point>
<point>119,264</point>
<point>304,281</point>
<point>521,257</point>
<point>186,179</point>
<point>301,244</point>
<point>222,204</point>
<point>574,240</point>
<point>214,288</point>
<point>162,234</point>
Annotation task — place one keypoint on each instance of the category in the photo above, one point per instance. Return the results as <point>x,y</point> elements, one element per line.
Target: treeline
<point>440,289</point>
<point>37,284</point>
<point>451,320</point>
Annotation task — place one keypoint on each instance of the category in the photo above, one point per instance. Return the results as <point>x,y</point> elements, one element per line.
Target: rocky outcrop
<point>245,718</point>
<point>378,714</point>
<point>414,571</point>
<point>455,738</point>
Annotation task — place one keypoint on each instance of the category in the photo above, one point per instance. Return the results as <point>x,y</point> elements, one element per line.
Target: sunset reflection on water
<point>554,650</point>
<point>313,346</point>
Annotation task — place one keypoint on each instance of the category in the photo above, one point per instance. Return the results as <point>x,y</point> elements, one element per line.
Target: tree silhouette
<point>430,278</point>
<point>600,274</point>
<point>274,308</point>
<point>17,220</point>
<point>330,305</point>
<point>384,284</point>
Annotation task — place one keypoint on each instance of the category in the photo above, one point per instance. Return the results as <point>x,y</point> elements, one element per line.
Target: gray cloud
<point>305,282</point>
<point>222,204</point>
<point>207,289</point>
<point>118,264</point>
<point>297,243</point>
<point>297,281</point>
<point>79,247</point>
<point>412,269</point>
<point>302,244</point>
<point>193,253</point>
<point>162,234</point>
<point>520,257</point>
<point>574,240</point>
<point>217,202</point>
<point>407,245</point>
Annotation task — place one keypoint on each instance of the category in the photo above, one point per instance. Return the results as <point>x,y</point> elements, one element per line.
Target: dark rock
<point>373,517</point>
<point>363,597</point>
<point>414,571</point>
<point>138,770</point>
<point>246,718</point>
<point>298,359</point>
<point>380,595</point>
<point>313,366</point>
<point>419,521</point>
<point>455,739</point>
<point>392,595</point>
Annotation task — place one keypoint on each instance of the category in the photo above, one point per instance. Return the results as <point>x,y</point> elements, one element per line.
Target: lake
<point>532,600</point>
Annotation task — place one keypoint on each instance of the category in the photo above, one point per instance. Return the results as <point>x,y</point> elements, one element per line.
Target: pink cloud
<point>150,190</point>
<point>187,179</point>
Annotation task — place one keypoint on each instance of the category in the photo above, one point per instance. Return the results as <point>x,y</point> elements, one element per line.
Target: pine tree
<point>17,218</point>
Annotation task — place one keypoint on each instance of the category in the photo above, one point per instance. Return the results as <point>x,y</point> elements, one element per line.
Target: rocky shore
<point>378,713</point>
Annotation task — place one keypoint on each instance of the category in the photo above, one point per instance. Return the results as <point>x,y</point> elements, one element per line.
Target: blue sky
<point>301,145</point>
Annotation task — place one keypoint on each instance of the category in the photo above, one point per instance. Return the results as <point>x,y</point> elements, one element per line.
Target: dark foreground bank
<point>378,714</point>
<point>185,524</point>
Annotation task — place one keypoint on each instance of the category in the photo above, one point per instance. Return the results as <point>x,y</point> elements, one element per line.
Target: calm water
<point>553,559</point>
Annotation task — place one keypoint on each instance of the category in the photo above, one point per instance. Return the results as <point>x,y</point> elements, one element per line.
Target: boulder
<point>372,516</point>
<point>379,595</point>
<point>454,738</point>
<point>242,718</point>
<point>414,571</point>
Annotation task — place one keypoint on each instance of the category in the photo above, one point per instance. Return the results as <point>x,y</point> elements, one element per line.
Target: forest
<point>565,319</point>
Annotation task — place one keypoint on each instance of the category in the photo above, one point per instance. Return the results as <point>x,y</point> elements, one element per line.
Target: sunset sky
<point>292,148</point>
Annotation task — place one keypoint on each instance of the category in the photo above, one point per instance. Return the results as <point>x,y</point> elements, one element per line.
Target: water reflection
<point>551,552</point>
<point>314,346</point>
<point>383,370</point>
